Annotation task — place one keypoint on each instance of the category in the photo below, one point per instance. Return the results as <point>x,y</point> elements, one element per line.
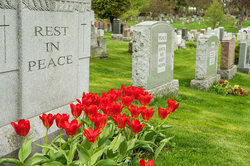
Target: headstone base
<point>204,84</point>
<point>98,52</point>
<point>243,70</point>
<point>126,38</point>
<point>170,88</point>
<point>116,37</point>
<point>229,73</point>
<point>10,141</point>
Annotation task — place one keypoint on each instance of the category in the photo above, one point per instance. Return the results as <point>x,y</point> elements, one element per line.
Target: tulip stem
<point>91,152</point>
<point>70,151</point>
<point>161,123</point>
<point>61,139</point>
<point>96,143</point>
<point>46,140</point>
<point>117,139</point>
<point>141,132</point>
<point>22,148</point>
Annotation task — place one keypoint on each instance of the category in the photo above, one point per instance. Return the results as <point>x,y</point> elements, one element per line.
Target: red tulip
<point>99,120</point>
<point>149,163</point>
<point>115,94</point>
<point>137,92</point>
<point>127,100</point>
<point>47,120</point>
<point>22,128</point>
<point>114,108</point>
<point>91,135</point>
<point>76,110</point>
<point>71,127</point>
<point>145,99</point>
<point>135,126</point>
<point>135,111</point>
<point>91,110</point>
<point>60,119</point>
<point>163,113</point>
<point>147,113</point>
<point>121,120</point>
<point>172,106</point>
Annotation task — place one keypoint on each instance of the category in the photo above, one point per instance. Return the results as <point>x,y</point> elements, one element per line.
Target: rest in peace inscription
<point>50,47</point>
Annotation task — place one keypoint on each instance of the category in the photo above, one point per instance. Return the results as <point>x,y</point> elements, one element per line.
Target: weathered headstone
<point>109,28</point>
<point>221,33</point>
<point>244,58</point>
<point>116,26</point>
<point>203,31</point>
<point>153,58</point>
<point>130,47</point>
<point>206,62</point>
<point>184,33</point>
<point>227,68</point>
<point>44,66</point>
<point>100,25</point>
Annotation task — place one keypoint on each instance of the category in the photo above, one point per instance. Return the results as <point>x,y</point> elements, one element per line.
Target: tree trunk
<point>111,22</point>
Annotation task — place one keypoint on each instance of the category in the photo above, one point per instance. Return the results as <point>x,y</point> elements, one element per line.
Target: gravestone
<point>244,57</point>
<point>127,32</point>
<point>184,33</point>
<point>206,62</point>
<point>227,68</point>
<point>100,25</point>
<point>109,28</point>
<point>116,26</point>
<point>153,58</point>
<point>43,67</point>
<point>203,31</point>
<point>130,47</point>
<point>221,33</point>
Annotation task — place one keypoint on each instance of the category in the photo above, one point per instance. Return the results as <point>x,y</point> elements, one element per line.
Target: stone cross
<point>4,36</point>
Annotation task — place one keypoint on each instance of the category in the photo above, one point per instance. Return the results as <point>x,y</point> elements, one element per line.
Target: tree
<point>215,14</point>
<point>240,7</point>
<point>135,10</point>
<point>180,5</point>
<point>201,5</point>
<point>110,9</point>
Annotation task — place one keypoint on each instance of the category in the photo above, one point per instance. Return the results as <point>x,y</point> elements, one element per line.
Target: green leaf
<point>83,154</point>
<point>149,136</point>
<point>25,151</point>
<point>131,144</point>
<point>163,127</point>
<point>107,162</point>
<point>96,156</point>
<point>9,160</point>
<point>103,140</point>
<point>36,159</point>
<point>116,142</point>
<point>71,152</point>
<point>159,149</point>
<point>123,148</point>
<point>53,163</point>
<point>111,154</point>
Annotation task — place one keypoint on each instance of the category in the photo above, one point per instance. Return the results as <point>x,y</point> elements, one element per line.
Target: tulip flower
<point>47,120</point>
<point>114,108</point>
<point>71,127</point>
<point>76,110</point>
<point>163,113</point>
<point>149,163</point>
<point>99,120</point>
<point>135,126</point>
<point>145,99</point>
<point>147,113</point>
<point>60,119</point>
<point>121,120</point>
<point>135,111</point>
<point>22,128</point>
<point>127,100</point>
<point>172,106</point>
<point>91,134</point>
<point>91,110</point>
<point>137,92</point>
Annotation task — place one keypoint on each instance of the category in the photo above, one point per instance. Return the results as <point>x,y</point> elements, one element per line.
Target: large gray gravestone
<point>117,26</point>
<point>44,61</point>
<point>153,58</point>
<point>244,58</point>
<point>227,68</point>
<point>221,33</point>
<point>206,62</point>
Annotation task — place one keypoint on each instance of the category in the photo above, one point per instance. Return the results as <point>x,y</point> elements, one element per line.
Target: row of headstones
<point>153,59</point>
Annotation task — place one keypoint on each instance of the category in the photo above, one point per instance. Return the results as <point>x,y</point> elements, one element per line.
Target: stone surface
<point>53,49</point>
<point>130,47</point>
<point>227,54</point>
<point>117,26</point>
<point>243,70</point>
<point>204,84</point>
<point>206,56</point>
<point>116,37</point>
<point>185,34</point>
<point>221,33</point>
<point>153,54</point>
<point>126,38</point>
<point>228,74</point>
<point>126,32</point>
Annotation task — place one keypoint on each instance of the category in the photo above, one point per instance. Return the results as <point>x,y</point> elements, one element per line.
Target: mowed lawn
<point>209,129</point>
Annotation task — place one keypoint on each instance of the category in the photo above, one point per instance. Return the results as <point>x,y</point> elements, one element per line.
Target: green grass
<point>228,25</point>
<point>209,129</point>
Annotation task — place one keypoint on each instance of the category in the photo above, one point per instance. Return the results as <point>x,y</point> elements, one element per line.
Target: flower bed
<point>223,87</point>
<point>115,129</point>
